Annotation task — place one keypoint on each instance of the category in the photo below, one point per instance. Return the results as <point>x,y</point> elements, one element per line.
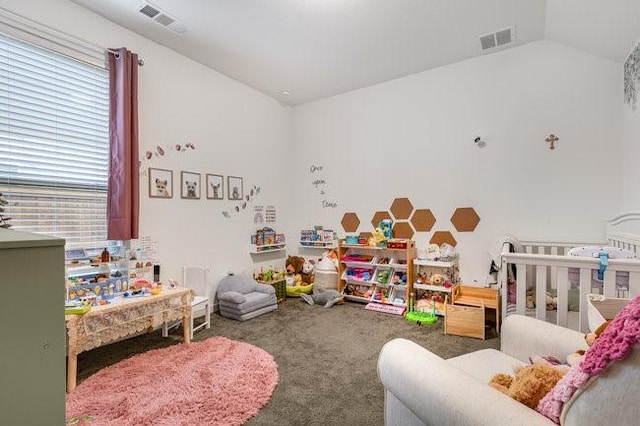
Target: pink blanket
<point>615,344</point>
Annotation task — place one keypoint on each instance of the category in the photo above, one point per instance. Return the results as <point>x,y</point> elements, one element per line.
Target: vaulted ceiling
<point>297,51</point>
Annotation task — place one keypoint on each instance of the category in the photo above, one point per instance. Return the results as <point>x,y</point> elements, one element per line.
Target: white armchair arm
<point>522,337</point>
<point>439,393</point>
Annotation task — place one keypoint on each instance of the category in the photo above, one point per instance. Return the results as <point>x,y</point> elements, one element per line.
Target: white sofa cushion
<point>485,363</point>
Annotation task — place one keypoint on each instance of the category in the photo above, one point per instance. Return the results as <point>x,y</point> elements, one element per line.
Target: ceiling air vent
<point>492,41</point>
<point>149,11</point>
<point>160,17</point>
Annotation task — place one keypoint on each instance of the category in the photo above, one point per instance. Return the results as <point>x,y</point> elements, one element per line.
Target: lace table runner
<point>124,317</point>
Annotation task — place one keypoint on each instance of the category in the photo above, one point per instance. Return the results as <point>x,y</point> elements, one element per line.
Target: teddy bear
<point>328,297</point>
<point>552,302</point>
<point>590,338</point>
<point>437,279</point>
<point>293,266</point>
<point>530,383</point>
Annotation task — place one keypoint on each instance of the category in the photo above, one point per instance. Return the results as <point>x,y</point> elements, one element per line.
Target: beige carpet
<point>326,358</point>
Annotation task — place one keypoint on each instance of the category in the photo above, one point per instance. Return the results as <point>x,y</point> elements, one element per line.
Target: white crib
<point>544,266</point>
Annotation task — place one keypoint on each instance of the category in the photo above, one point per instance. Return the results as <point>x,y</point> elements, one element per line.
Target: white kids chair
<point>197,279</point>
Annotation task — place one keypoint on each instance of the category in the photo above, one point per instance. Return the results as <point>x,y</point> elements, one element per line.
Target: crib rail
<point>543,271</point>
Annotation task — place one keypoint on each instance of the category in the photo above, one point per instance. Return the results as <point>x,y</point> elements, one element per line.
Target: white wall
<point>236,130</point>
<point>412,137</point>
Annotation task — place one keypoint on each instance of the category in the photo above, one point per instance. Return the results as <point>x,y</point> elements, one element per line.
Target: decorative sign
<point>270,214</point>
<point>258,217</point>
<point>319,184</point>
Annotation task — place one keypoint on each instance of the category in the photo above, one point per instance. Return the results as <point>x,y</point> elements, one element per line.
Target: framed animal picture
<point>160,183</point>
<point>190,185</point>
<point>234,188</point>
<point>215,187</point>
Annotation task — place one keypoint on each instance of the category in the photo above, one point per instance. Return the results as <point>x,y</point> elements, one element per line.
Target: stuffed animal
<point>377,238</point>
<point>530,383</point>
<point>437,279</point>
<point>324,296</point>
<point>293,265</point>
<point>307,272</point>
<point>576,357</point>
<point>552,302</point>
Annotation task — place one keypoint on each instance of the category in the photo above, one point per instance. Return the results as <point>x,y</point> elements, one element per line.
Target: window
<point>54,143</point>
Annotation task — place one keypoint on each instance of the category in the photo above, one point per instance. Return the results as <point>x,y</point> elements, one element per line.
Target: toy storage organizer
<point>425,294</point>
<point>545,267</point>
<point>376,274</point>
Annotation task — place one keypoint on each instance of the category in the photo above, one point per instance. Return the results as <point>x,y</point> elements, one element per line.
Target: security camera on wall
<point>479,142</point>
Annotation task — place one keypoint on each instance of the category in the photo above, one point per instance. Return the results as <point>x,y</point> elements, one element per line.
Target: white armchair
<point>424,389</point>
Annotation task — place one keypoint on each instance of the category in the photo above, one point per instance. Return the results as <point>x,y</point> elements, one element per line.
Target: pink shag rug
<point>214,382</point>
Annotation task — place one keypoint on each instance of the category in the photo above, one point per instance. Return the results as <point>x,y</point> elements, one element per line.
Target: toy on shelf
<point>383,275</point>
<point>399,278</point>
<point>268,274</point>
<point>378,239</point>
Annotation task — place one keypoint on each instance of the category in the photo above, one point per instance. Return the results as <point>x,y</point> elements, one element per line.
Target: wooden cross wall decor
<point>552,139</point>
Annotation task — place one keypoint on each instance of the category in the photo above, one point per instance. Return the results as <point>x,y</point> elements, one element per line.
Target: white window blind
<point>54,143</point>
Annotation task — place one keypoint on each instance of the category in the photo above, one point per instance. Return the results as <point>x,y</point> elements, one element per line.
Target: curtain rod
<point>52,35</point>
<point>117,55</point>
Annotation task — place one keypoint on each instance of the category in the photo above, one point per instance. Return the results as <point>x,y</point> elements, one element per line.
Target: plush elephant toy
<point>323,296</point>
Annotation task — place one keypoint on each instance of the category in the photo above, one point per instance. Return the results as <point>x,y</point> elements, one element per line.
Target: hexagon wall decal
<point>402,230</point>
<point>401,208</point>
<point>350,222</point>
<point>423,220</point>
<point>440,237</point>
<point>465,219</point>
<point>378,216</point>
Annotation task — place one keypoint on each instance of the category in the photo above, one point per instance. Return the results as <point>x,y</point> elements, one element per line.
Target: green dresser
<point>32,329</point>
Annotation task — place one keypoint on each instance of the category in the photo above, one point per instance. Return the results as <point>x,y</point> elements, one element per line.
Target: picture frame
<point>234,188</point>
<point>160,183</point>
<point>215,186</point>
<point>190,185</point>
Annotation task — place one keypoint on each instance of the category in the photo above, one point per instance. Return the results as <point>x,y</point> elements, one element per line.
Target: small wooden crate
<point>464,321</point>
<point>466,316</point>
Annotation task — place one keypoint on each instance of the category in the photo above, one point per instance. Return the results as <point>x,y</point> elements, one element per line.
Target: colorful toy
<point>377,239</point>
<point>386,226</point>
<point>383,276</point>
<point>307,274</point>
<point>294,266</point>
<point>420,317</point>
<point>437,279</point>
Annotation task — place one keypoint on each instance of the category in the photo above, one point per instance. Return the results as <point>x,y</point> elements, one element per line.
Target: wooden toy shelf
<point>373,260</point>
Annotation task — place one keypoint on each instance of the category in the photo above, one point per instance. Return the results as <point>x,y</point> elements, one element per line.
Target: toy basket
<point>601,309</point>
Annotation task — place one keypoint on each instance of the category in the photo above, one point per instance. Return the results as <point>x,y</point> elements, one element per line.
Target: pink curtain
<point>123,200</point>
